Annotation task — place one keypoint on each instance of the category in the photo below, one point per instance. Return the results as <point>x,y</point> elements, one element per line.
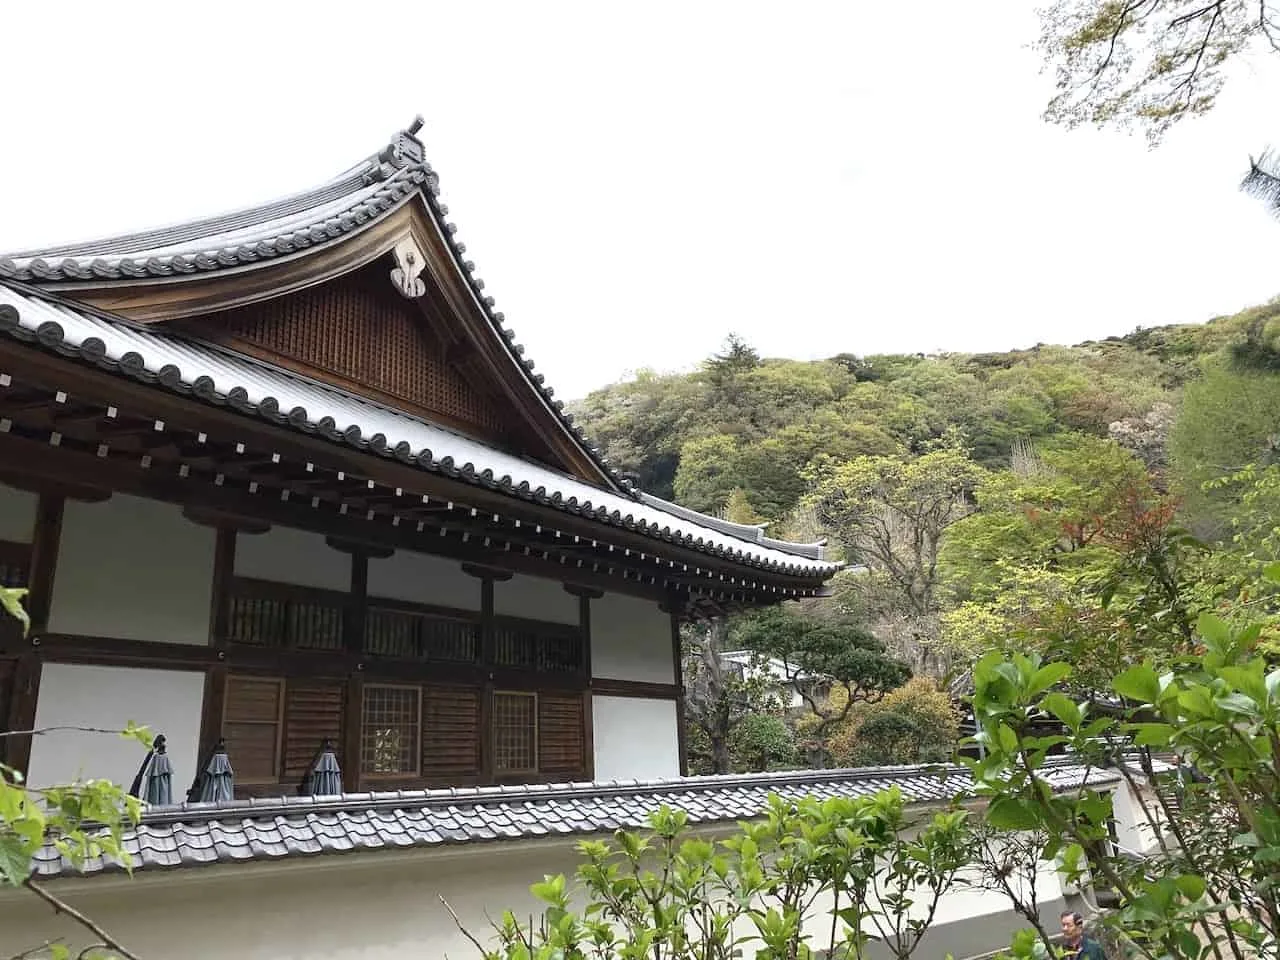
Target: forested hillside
<point>1071,500</point>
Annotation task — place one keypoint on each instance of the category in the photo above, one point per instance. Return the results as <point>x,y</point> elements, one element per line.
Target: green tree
<point>719,697</point>
<point>667,895</point>
<point>1228,420</point>
<point>1211,883</point>
<point>891,513</point>
<point>815,652</point>
<point>763,741</point>
<point>917,723</point>
<point>1053,510</point>
<point>1146,62</point>
<point>708,472</point>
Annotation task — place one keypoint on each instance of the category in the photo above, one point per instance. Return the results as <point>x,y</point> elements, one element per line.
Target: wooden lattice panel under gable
<point>358,332</point>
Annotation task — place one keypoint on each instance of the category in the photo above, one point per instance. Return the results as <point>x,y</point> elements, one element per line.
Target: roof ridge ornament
<point>407,273</point>
<point>404,150</point>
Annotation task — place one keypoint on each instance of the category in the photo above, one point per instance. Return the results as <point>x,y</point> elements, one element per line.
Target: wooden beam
<point>353,618</point>
<point>352,725</point>
<point>604,687</point>
<point>357,548</point>
<point>212,708</point>
<point>589,738</point>
<point>224,571</point>
<point>22,710</point>
<point>221,520</point>
<point>677,657</point>
<point>68,491</point>
<point>54,374</point>
<point>44,560</point>
<point>41,460</point>
<point>486,573</point>
<point>584,627</point>
<point>488,653</point>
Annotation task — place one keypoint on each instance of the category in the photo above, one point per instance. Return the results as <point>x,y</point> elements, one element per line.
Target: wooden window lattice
<point>15,563</point>
<point>420,636</point>
<point>545,650</point>
<point>515,732</point>
<point>390,730</point>
<point>285,622</point>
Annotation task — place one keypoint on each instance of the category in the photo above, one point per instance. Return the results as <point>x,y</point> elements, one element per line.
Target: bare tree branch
<point>61,906</point>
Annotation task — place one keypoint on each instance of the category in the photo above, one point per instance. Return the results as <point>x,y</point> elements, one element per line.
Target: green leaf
<point>1064,708</point>
<point>11,601</point>
<point>1213,629</point>
<point>1271,572</point>
<point>1012,813</point>
<point>1047,676</point>
<point>1248,680</point>
<point>1190,886</point>
<point>1152,734</point>
<point>1007,738</point>
<point>1138,683</point>
<point>15,860</point>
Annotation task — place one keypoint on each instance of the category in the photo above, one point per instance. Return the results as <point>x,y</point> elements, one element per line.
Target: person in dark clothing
<point>1079,946</point>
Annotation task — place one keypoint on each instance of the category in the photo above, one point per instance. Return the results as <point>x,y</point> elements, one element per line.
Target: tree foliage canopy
<point>1148,63</point>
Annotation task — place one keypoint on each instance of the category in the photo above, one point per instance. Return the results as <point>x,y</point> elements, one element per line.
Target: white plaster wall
<point>380,906</point>
<point>535,599</point>
<point>167,701</point>
<point>376,906</point>
<point>1133,830</point>
<point>635,739</point>
<point>134,569</point>
<point>630,640</point>
<point>293,556</point>
<point>17,514</point>
<point>420,578</point>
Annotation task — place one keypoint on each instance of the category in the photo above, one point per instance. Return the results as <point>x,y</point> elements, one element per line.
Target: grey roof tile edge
<point>200,834</point>
<point>51,337</point>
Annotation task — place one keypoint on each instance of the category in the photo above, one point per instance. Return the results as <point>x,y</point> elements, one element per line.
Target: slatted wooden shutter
<point>450,732</point>
<point>562,736</point>
<point>313,713</point>
<point>251,727</point>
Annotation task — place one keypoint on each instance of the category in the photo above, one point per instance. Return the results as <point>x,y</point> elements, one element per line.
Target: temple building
<point>284,487</point>
<point>284,475</point>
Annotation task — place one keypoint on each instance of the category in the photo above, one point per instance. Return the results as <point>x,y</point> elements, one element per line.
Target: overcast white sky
<point>636,181</point>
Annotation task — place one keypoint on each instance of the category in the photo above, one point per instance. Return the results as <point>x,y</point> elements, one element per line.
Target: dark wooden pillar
<point>224,569</point>
<point>585,595</point>
<point>488,576</point>
<point>488,653</point>
<point>352,724</point>
<point>354,615</point>
<point>673,608</point>
<point>39,601</point>
<point>44,560</point>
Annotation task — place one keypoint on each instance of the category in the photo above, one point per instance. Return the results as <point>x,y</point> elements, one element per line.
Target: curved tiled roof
<point>249,386</point>
<point>196,834</point>
<point>329,213</point>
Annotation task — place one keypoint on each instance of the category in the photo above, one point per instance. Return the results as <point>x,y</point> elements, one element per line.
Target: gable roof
<point>321,218</point>
<point>290,229</point>
<point>198,834</point>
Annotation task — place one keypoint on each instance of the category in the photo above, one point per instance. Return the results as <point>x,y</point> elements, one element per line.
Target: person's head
<point>1072,926</point>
